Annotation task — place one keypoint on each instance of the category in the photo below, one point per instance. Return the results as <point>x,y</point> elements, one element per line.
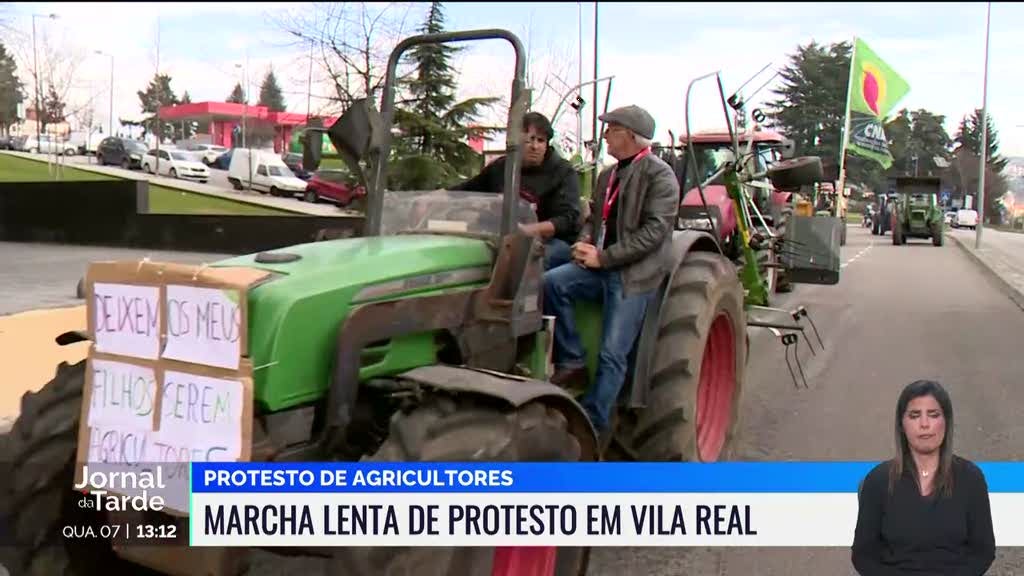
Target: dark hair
<point>904,460</point>
<point>540,123</point>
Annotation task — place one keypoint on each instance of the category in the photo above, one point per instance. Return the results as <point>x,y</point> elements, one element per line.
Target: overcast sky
<point>653,50</point>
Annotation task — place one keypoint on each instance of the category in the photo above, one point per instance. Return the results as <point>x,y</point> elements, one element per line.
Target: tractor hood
<point>692,212</point>
<point>294,316</point>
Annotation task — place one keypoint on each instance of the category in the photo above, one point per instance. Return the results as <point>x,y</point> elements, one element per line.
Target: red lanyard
<point>611,195</point>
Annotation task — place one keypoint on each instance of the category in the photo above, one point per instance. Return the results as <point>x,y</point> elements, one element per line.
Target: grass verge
<point>162,200</point>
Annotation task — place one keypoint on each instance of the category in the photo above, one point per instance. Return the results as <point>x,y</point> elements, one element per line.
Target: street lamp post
<point>245,113</point>
<point>110,126</point>
<point>245,96</point>
<point>309,79</point>
<point>35,65</point>
<point>983,153</point>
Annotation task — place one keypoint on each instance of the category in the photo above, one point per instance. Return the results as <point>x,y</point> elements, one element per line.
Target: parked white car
<point>49,144</point>
<point>176,164</point>
<point>206,153</point>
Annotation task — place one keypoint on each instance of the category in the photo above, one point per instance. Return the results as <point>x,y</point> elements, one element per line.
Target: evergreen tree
<point>237,94</point>
<point>53,107</point>
<point>812,104</point>
<point>918,135</point>
<point>157,95</point>
<point>968,136</point>
<point>11,94</point>
<point>968,154</point>
<point>185,98</point>
<point>270,93</point>
<point>434,150</point>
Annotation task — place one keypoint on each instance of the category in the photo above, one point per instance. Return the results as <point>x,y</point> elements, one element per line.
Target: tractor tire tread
<point>467,429</point>
<point>43,442</point>
<point>665,429</point>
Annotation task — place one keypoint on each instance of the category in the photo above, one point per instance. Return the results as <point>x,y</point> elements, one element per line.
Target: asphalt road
<point>897,315</point>
<point>46,275</point>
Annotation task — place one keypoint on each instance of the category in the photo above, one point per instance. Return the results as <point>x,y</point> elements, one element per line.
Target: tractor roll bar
<point>513,138</point>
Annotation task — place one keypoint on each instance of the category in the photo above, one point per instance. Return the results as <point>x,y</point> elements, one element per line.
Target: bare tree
<point>351,43</point>
<point>58,65</point>
<point>7,27</point>
<point>550,73</point>
<point>83,110</point>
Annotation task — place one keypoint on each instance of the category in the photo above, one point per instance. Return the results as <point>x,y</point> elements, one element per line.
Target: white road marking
<point>857,255</point>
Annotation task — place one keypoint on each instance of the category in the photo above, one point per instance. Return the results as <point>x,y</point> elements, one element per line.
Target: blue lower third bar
<point>632,477</point>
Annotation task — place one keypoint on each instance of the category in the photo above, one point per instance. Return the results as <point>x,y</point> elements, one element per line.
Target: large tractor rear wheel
<point>464,430</point>
<point>782,282</point>
<point>699,366</point>
<point>38,499</point>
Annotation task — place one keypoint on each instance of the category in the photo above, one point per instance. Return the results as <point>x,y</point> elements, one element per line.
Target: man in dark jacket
<point>622,256</point>
<point>548,182</point>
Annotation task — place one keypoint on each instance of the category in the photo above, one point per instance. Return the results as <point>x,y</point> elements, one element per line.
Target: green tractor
<point>422,340</point>
<point>916,212</point>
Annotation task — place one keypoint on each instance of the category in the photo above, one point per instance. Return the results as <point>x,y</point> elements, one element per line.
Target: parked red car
<point>333,186</point>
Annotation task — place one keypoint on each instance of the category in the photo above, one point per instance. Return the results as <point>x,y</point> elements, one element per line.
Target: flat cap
<point>633,117</point>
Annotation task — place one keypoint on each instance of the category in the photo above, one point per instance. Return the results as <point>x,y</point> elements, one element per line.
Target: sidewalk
<point>289,204</point>
<point>1001,256</point>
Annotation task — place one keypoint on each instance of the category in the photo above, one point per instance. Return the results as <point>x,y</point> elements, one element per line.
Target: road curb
<point>1014,293</point>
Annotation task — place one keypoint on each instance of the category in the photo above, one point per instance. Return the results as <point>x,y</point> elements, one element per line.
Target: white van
<point>966,219</point>
<point>269,173</point>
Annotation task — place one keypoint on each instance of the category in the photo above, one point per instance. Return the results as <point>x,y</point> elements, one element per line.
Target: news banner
<point>546,504</point>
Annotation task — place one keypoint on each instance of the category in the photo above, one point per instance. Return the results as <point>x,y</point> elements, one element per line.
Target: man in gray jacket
<point>621,257</point>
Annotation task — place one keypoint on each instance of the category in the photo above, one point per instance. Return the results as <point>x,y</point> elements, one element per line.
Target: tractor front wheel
<point>463,430</point>
<point>699,366</point>
<point>38,500</point>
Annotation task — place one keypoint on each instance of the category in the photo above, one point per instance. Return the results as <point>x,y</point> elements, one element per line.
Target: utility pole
<point>594,110</point>
<point>35,65</point>
<point>579,68</point>
<point>110,127</point>
<point>159,99</point>
<point>309,82</point>
<point>983,156</point>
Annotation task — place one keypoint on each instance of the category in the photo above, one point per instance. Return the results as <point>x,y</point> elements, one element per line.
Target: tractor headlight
<point>699,223</point>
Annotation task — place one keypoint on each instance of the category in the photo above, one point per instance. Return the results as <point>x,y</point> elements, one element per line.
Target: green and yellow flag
<point>874,90</point>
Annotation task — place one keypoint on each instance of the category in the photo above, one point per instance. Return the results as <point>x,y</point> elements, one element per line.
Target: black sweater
<point>552,187</point>
<point>907,533</point>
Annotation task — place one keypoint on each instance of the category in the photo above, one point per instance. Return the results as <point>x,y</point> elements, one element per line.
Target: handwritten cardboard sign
<point>203,413</point>
<point>126,319</point>
<point>123,394</point>
<point>138,414</point>
<point>204,325</point>
<point>152,310</point>
<point>169,380</point>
